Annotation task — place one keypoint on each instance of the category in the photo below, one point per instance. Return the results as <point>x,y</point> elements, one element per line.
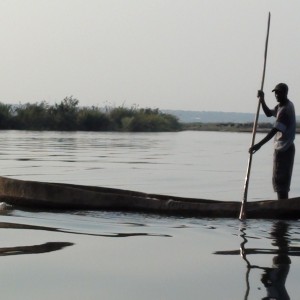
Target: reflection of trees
<point>52,246</point>
<point>6,225</point>
<point>35,249</point>
<point>274,277</point>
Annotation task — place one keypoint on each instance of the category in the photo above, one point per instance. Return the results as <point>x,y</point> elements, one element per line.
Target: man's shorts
<point>282,169</point>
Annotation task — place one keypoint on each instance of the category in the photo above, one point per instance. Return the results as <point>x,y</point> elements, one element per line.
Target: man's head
<point>281,90</point>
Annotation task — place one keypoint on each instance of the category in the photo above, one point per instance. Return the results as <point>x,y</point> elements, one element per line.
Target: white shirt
<point>286,124</point>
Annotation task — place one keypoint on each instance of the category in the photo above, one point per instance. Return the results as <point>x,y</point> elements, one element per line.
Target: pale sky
<point>166,54</point>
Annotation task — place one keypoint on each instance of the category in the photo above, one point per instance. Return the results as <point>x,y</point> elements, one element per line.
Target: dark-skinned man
<point>284,131</point>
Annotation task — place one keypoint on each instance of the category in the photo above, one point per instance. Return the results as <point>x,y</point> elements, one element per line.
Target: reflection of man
<point>274,278</point>
<point>284,131</point>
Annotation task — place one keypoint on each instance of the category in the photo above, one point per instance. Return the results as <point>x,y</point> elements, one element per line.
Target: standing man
<point>284,131</point>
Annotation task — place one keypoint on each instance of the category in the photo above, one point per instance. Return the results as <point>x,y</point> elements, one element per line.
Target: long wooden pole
<point>244,202</point>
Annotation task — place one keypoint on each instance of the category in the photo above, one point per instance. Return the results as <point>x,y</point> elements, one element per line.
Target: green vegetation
<point>69,116</point>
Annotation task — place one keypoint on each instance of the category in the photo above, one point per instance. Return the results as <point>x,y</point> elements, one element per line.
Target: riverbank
<point>229,127</point>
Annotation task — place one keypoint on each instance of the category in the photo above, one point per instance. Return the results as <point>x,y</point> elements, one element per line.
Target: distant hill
<point>186,116</point>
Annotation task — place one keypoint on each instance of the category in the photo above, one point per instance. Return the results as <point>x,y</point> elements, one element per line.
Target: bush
<point>6,112</point>
<point>31,116</point>
<point>67,115</point>
<point>92,119</point>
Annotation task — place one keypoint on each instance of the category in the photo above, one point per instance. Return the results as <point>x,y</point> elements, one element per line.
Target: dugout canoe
<point>44,195</point>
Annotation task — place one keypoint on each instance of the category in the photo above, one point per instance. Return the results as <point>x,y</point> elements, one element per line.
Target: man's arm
<point>269,136</point>
<point>266,109</point>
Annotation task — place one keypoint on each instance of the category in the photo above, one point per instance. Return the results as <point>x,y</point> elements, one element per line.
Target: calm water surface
<point>112,255</point>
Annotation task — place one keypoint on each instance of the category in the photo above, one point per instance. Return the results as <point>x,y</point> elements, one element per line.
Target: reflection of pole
<point>242,247</point>
<point>273,278</point>
<point>243,255</point>
<point>247,284</point>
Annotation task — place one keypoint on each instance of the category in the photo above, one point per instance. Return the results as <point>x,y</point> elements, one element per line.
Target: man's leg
<point>282,195</point>
<point>282,171</point>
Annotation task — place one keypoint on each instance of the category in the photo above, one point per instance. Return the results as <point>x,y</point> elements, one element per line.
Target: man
<point>284,131</point>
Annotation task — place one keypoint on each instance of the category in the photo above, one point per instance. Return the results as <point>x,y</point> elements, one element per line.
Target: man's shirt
<point>286,124</point>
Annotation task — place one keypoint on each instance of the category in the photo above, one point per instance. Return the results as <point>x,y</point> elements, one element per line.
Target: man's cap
<point>281,87</point>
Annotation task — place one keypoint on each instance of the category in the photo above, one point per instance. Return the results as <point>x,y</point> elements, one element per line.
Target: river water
<point>114,255</point>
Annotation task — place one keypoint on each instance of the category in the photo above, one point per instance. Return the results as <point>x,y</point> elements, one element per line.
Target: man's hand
<point>254,148</point>
<point>261,95</point>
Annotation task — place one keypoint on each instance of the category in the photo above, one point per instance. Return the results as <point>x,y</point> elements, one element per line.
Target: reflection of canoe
<point>40,195</point>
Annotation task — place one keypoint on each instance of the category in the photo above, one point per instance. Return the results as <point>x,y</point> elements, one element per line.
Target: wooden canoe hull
<point>42,195</point>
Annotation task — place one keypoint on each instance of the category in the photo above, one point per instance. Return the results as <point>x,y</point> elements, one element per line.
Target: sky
<point>200,55</point>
